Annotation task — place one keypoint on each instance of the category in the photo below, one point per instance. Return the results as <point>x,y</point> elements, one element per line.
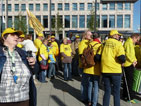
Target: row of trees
<point>57,26</point>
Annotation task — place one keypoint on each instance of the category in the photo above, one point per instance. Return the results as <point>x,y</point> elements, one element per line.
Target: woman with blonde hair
<point>66,53</point>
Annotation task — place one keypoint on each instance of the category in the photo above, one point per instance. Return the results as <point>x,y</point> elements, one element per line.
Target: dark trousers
<point>111,81</point>
<point>23,103</point>
<point>129,77</point>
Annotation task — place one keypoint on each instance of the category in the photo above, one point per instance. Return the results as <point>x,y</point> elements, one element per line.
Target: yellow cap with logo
<point>11,30</point>
<point>114,32</point>
<point>41,35</point>
<point>76,36</point>
<point>22,36</point>
<point>52,36</point>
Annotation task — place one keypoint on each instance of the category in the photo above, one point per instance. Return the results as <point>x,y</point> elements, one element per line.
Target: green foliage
<point>20,23</point>
<point>57,23</point>
<point>91,21</point>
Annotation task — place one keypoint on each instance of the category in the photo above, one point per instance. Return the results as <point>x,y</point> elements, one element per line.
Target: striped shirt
<point>10,91</point>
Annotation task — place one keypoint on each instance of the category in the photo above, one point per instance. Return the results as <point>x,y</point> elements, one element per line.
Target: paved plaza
<point>58,92</point>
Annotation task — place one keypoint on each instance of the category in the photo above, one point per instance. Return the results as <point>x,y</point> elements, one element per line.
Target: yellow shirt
<point>109,62</point>
<point>55,48</point>
<point>66,49</point>
<point>84,44</point>
<point>138,55</point>
<point>37,43</point>
<point>129,52</point>
<point>43,51</point>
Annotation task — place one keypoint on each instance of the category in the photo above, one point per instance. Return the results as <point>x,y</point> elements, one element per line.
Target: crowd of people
<point>24,60</point>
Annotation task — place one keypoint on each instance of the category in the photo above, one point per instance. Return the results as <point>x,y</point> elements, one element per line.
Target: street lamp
<point>95,15</point>
<point>50,17</point>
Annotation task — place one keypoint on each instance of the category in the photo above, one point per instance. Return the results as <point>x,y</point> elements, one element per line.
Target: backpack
<point>87,58</point>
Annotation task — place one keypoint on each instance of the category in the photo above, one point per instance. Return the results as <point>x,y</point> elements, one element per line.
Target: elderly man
<point>16,69</point>
<point>112,58</point>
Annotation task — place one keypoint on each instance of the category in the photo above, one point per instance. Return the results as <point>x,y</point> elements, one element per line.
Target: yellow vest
<point>129,52</point>
<point>43,50</point>
<point>51,52</point>
<point>19,45</point>
<point>111,50</point>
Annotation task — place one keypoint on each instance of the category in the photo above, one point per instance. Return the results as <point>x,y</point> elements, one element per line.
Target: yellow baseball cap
<point>22,36</point>
<point>11,30</point>
<point>53,36</point>
<point>113,32</point>
<point>77,36</point>
<point>41,35</point>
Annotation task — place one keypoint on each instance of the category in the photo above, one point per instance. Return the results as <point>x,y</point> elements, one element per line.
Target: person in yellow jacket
<point>51,61</point>
<point>112,58</point>
<point>38,41</point>
<point>90,76</point>
<point>54,46</point>
<point>66,53</point>
<point>20,40</point>
<point>129,65</point>
<point>43,56</point>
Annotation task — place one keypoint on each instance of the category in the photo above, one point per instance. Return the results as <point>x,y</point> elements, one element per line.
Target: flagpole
<point>50,17</point>
<point>1,17</point>
<point>6,15</point>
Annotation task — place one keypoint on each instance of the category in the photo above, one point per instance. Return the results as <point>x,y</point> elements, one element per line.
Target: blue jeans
<point>67,71</point>
<point>51,71</point>
<point>42,73</point>
<point>109,82</point>
<point>84,87</point>
<point>93,89</point>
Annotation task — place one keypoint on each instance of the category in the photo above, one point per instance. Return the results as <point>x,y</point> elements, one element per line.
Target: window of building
<point>52,21</point>
<point>104,21</point>
<point>67,6</point>
<point>2,23</point>
<point>127,21</point>
<point>45,7</point>
<point>98,21</point>
<point>60,6</point>
<point>112,6</point>
<point>74,6</point>
<point>16,7</point>
<point>3,7</point>
<point>38,17</point>
<point>89,6</point>
<point>9,7</point>
<point>37,7</point>
<point>120,6</point>
<point>104,6</point>
<point>31,8</point>
<point>82,21</point>
<point>23,7</point>
<point>97,6</point>
<point>81,6</point>
<point>67,21</point>
<point>45,21</point>
<point>52,6</point>
<point>111,21</point>
<point>88,19</point>
<point>127,6</point>
<point>74,21</point>
<point>120,21</point>
<point>9,21</point>
<point>16,20</point>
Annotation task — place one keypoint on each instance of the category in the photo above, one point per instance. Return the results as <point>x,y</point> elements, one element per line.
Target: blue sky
<point>137,12</point>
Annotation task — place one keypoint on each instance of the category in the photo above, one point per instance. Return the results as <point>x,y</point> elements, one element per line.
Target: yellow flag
<point>34,23</point>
